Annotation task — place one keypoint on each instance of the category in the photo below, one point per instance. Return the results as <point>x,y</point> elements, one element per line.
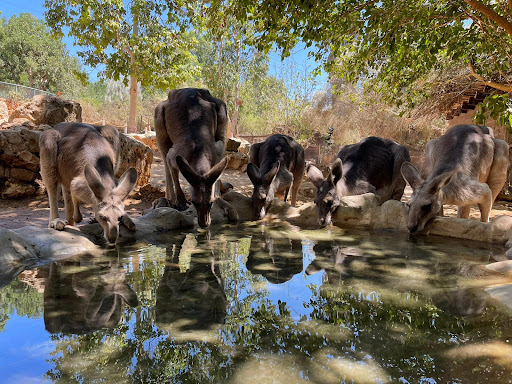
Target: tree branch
<point>491,14</point>
<point>498,86</point>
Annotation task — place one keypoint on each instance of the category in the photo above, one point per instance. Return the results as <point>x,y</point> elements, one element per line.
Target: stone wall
<point>19,160</point>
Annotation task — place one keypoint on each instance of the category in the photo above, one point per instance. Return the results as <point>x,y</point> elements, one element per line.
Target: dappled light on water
<point>262,304</point>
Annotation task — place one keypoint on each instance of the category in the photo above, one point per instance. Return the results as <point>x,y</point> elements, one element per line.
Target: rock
<point>503,267</point>
<point>27,160</point>
<point>15,249</point>
<point>233,144</point>
<point>308,189</point>
<point>147,138</point>
<point>15,255</point>
<point>15,190</point>
<point>503,294</point>
<point>242,204</point>
<point>460,228</point>
<point>19,122</point>
<point>237,160</point>
<point>50,244</point>
<point>391,215</point>
<point>135,154</point>
<point>356,210</point>
<point>22,174</point>
<point>4,112</point>
<point>47,109</point>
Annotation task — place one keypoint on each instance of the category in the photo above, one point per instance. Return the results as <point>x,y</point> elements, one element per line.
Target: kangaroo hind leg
<point>48,147</point>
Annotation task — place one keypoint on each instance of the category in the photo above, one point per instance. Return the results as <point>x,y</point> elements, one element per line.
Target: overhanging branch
<point>492,84</point>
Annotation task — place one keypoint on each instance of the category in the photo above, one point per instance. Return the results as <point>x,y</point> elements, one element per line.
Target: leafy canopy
<point>392,45</point>
<point>145,39</point>
<point>30,56</point>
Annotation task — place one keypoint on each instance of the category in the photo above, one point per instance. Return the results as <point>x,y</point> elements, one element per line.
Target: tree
<point>393,45</point>
<point>30,56</point>
<point>144,41</point>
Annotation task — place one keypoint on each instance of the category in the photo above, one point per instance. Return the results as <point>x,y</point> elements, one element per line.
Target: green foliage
<point>498,107</point>
<point>392,46</point>
<point>30,56</point>
<point>147,39</point>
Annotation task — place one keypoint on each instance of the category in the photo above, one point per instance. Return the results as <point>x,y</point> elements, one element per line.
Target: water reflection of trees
<point>381,313</point>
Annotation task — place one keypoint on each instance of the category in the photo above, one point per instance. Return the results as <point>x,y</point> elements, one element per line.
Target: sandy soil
<point>35,210</point>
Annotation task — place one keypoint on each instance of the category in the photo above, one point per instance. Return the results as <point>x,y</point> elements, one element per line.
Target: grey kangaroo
<point>465,166</point>
<point>191,128</point>
<point>276,165</point>
<point>82,158</point>
<point>372,165</point>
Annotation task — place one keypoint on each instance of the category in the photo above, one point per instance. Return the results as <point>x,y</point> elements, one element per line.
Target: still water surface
<point>260,304</point>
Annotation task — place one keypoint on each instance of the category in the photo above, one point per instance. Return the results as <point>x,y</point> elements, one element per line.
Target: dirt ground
<point>35,210</point>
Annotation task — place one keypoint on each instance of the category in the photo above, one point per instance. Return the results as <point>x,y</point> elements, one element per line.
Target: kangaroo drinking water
<point>191,128</point>
<point>370,166</point>
<point>465,166</point>
<point>82,158</point>
<point>277,164</point>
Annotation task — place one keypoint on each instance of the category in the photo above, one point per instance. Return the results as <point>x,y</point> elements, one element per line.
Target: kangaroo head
<point>426,200</point>
<point>202,187</point>
<point>109,210</point>
<point>264,187</point>
<point>326,199</point>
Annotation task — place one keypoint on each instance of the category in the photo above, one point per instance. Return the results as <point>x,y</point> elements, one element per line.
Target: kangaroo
<point>465,166</point>
<point>276,165</point>
<point>370,166</point>
<point>82,159</point>
<point>191,128</point>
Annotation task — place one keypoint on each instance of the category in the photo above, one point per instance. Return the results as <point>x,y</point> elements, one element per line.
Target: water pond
<point>260,304</point>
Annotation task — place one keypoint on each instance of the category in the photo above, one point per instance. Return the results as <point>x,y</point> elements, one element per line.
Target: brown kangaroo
<point>465,166</point>
<point>82,159</point>
<point>277,164</point>
<point>191,128</point>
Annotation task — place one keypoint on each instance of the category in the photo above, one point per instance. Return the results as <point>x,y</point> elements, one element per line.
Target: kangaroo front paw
<point>58,224</point>
<point>128,222</point>
<point>181,206</point>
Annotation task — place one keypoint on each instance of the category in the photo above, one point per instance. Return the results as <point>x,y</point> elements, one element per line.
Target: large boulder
<point>237,161</point>
<point>135,154</point>
<point>47,109</point>
<point>236,144</point>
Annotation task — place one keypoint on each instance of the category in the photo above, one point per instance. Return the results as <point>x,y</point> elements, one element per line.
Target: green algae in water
<point>260,304</point>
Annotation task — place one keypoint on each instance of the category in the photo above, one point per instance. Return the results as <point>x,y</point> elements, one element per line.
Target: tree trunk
<point>234,120</point>
<point>132,115</point>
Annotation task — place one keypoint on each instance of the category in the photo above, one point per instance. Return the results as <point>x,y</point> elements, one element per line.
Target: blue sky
<point>298,59</point>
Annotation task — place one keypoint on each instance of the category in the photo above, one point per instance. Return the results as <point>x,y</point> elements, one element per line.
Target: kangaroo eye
<point>426,208</point>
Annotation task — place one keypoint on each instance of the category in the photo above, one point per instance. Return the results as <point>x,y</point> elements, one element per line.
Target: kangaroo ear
<point>214,173</point>
<point>337,171</point>
<point>126,183</point>
<point>440,181</point>
<point>93,179</point>
<point>315,175</point>
<point>268,178</point>
<point>411,174</point>
<point>254,174</point>
<point>186,170</point>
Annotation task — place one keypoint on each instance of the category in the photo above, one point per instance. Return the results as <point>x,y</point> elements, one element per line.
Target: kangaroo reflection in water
<point>190,296</point>
<point>276,259</point>
<point>85,294</point>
